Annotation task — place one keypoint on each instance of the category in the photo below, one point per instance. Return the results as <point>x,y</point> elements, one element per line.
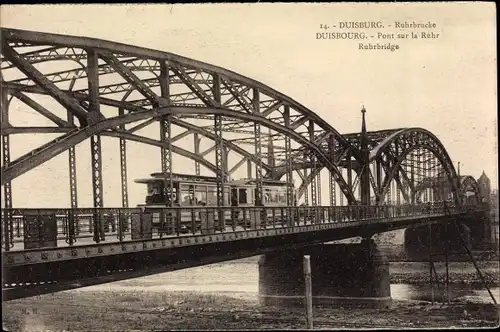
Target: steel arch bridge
<point>376,179</point>
<point>139,86</point>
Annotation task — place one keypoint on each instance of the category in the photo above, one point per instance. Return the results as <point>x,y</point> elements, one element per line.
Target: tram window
<point>282,197</point>
<point>212,196</point>
<point>200,194</point>
<point>267,196</point>
<point>185,198</point>
<point>153,189</point>
<point>242,198</point>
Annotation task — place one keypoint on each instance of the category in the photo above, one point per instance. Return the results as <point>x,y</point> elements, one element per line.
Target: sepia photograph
<point>248,166</point>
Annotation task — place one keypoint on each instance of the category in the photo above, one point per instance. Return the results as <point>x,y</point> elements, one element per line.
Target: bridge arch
<point>405,143</point>
<point>396,146</point>
<point>205,87</point>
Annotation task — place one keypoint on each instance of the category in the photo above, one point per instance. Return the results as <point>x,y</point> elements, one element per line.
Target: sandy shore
<point>139,311</point>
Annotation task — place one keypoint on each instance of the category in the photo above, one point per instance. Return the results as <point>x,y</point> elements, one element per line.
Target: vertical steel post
<point>258,149</point>
<point>349,170</point>
<point>123,164</point>
<point>306,192</point>
<point>95,143</point>
<point>123,217</point>
<point>332,184</point>
<point>73,222</point>
<point>378,167</point>
<point>290,199</point>
<point>446,248</point>
<point>412,177</point>
<point>197,141</point>
<point>431,263</point>
<point>318,186</point>
<point>397,182</point>
<point>7,227</point>
<point>288,162</point>
<point>312,158</point>
<point>72,171</point>
<point>225,157</point>
<point>219,158</point>
<point>249,169</point>
<point>168,216</point>
<point>389,184</point>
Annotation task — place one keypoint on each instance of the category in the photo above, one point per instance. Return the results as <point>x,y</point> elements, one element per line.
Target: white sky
<point>447,86</point>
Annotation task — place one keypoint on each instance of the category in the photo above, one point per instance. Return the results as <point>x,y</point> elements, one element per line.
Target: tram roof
<point>187,177</point>
<point>157,177</point>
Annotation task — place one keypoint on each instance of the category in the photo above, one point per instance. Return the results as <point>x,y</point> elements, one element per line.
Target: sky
<point>446,85</point>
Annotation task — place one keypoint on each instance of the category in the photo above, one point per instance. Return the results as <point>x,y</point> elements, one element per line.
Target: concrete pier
<point>345,275</point>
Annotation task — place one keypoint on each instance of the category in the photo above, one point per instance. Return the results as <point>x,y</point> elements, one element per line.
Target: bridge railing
<point>46,228</point>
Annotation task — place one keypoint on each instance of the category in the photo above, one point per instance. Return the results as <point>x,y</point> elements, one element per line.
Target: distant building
<point>484,184</point>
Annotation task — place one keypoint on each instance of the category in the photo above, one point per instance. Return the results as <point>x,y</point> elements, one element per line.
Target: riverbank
<point>417,273</point>
<point>143,310</point>
<point>224,296</point>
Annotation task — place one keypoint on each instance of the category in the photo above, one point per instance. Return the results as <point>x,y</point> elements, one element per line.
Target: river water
<point>240,279</point>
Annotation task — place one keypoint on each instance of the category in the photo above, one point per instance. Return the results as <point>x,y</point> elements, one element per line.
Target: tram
<point>190,193</point>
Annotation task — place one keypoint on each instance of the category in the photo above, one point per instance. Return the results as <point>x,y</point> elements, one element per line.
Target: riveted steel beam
<point>42,110</point>
<point>238,95</point>
<point>290,199</point>
<point>132,51</point>
<point>258,150</point>
<point>191,84</point>
<point>27,69</point>
<point>7,225</point>
<point>331,182</point>
<point>132,79</point>
<point>95,140</point>
<point>140,114</point>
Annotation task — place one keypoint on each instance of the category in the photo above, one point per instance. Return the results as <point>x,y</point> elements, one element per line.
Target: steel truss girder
<point>4,108</point>
<point>149,141</point>
<point>131,78</point>
<point>27,69</point>
<point>95,140</point>
<point>176,121</point>
<point>19,36</point>
<point>42,110</point>
<point>414,139</point>
<point>290,199</point>
<point>13,35</point>
<point>386,165</point>
<point>76,137</point>
<point>72,178</point>
<point>166,156</point>
<point>123,166</point>
<point>188,81</point>
<point>258,154</point>
<point>315,170</point>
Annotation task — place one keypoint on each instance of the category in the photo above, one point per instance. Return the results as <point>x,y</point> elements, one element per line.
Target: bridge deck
<point>117,242</point>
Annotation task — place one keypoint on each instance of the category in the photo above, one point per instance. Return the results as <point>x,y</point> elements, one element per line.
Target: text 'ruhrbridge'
<point>378,35</point>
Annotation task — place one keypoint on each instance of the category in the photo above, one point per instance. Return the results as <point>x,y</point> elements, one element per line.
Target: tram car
<point>195,196</point>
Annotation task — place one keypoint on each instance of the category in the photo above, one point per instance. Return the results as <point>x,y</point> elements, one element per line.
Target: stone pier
<point>345,275</point>
<point>416,242</point>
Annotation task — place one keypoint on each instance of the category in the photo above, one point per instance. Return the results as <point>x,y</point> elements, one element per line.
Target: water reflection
<point>242,280</point>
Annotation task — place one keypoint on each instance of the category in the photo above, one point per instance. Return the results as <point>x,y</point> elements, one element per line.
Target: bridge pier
<point>481,229</point>
<point>347,275</point>
<point>416,242</point>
